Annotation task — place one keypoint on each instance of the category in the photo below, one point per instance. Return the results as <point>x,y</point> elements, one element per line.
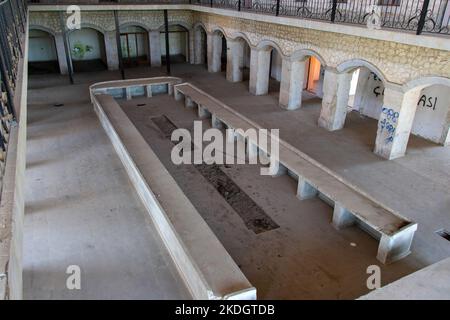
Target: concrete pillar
<point>191,42</point>
<point>361,87</point>
<point>216,122</point>
<point>61,53</point>
<point>199,48</point>
<point>188,102</point>
<point>342,218</point>
<point>291,87</point>
<point>235,60</point>
<point>128,93</point>
<point>395,122</point>
<point>155,48</point>
<point>148,91</point>
<point>178,95</point>
<point>252,151</point>
<point>112,54</point>
<point>336,88</point>
<point>305,190</point>
<point>259,71</point>
<point>214,43</point>
<point>203,113</point>
<point>276,168</point>
<point>397,246</point>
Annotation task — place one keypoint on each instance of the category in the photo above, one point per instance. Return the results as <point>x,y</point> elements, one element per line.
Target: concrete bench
<point>351,205</point>
<point>205,266</point>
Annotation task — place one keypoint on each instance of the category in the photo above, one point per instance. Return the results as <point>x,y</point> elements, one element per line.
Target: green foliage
<point>79,50</point>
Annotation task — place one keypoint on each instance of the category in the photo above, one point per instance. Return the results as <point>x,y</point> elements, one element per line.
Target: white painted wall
<point>88,38</point>
<point>41,47</point>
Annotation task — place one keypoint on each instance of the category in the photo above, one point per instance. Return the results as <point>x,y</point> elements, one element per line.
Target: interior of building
<point>180,150</point>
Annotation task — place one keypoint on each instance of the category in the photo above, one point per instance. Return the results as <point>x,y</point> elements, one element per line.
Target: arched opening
<point>87,50</point>
<point>314,72</point>
<point>200,46</point>
<point>238,60</point>
<point>178,44</point>
<point>432,116</point>
<point>134,45</point>
<point>275,72</point>
<point>42,55</point>
<point>218,60</point>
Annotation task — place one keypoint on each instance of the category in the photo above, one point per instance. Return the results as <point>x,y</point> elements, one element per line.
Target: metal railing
<point>12,27</point>
<point>420,16</point>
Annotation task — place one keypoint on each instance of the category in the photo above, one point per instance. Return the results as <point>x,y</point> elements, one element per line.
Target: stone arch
<point>42,28</point>
<point>200,35</point>
<point>264,44</point>
<point>219,29</point>
<point>85,25</point>
<point>217,49</point>
<point>427,81</point>
<point>175,23</point>
<point>299,54</point>
<point>134,24</point>
<point>352,64</point>
<point>200,25</point>
<point>243,36</point>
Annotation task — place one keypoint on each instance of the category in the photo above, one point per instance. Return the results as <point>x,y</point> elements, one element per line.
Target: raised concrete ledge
<point>206,267</point>
<point>439,42</point>
<point>430,283</point>
<point>395,232</point>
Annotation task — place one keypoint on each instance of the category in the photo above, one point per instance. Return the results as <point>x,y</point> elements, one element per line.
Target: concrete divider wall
<point>207,269</point>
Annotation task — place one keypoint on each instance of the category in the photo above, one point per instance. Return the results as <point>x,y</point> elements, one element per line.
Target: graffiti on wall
<point>389,123</point>
<point>428,102</point>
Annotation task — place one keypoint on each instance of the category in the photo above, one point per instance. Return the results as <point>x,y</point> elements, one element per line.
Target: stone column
<point>291,87</point>
<point>199,49</point>
<point>61,53</point>
<point>214,52</point>
<point>191,46</point>
<point>259,71</point>
<point>336,88</point>
<point>112,55</point>
<point>395,122</point>
<point>235,60</point>
<point>155,48</point>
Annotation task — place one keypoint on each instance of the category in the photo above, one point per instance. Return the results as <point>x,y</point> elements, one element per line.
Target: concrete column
<point>112,55</point>
<point>397,246</point>
<point>188,102</point>
<point>445,137</point>
<point>216,122</point>
<point>336,88</point>
<point>291,87</point>
<point>199,49</point>
<point>203,113</point>
<point>191,42</point>
<point>214,43</point>
<point>235,60</point>
<point>276,168</point>
<point>305,190</point>
<point>259,71</point>
<point>361,87</point>
<point>155,48</point>
<point>395,122</point>
<point>61,53</point>
<point>148,91</point>
<point>128,93</point>
<point>342,218</point>
<point>178,95</point>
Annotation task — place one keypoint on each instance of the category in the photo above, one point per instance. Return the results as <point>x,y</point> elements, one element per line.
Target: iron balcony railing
<point>12,29</point>
<point>420,16</point>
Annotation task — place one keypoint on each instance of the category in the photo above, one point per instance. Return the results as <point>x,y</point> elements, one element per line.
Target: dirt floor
<point>305,257</point>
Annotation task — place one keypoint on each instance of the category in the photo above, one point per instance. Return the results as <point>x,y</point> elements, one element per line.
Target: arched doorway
<point>42,56</point>
<point>87,50</point>
<point>134,45</point>
<point>178,44</point>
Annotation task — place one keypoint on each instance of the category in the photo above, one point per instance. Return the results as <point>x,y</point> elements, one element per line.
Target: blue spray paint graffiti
<point>389,123</point>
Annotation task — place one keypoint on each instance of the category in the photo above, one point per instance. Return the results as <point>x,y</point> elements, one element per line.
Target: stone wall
<point>397,63</point>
